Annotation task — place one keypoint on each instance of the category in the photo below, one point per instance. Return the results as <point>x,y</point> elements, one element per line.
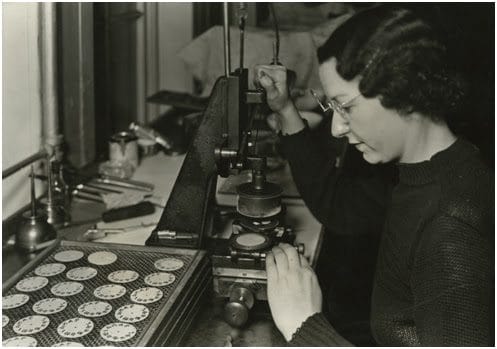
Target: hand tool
<point>87,196</point>
<point>98,233</point>
<point>124,183</point>
<point>97,188</point>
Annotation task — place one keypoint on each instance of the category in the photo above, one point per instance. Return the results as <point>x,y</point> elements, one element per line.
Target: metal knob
<point>300,248</point>
<point>236,311</point>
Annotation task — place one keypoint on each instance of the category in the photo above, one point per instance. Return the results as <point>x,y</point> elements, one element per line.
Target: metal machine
<point>221,147</point>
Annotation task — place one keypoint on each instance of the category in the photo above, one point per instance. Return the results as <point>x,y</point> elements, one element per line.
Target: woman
<point>385,78</point>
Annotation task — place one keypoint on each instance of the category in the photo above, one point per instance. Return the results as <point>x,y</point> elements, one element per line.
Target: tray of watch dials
<point>100,294</point>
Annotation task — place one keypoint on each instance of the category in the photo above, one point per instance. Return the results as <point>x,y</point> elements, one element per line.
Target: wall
<point>162,31</point>
<point>21,108</point>
<point>175,32</point>
<point>21,105</point>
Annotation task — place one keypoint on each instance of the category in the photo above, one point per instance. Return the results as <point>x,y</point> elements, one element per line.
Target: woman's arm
<point>352,202</point>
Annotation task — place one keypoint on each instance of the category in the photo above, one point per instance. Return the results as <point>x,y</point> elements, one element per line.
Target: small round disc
<point>49,306</point>
<point>102,258</point>
<point>250,239</point>
<point>169,264</point>
<point>132,313</point>
<point>67,344</point>
<point>14,300</point>
<point>95,309</point>
<point>68,256</point>
<point>32,284</point>
<point>31,324</point>
<point>146,295</point>
<point>75,327</point>
<point>123,276</point>
<point>118,332</point>
<point>159,279</point>
<point>5,320</point>
<point>81,273</point>
<point>109,291</point>
<point>67,288</point>
<point>20,341</point>
<point>50,269</point>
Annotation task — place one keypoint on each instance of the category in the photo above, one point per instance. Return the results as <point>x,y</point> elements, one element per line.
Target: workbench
<point>209,329</point>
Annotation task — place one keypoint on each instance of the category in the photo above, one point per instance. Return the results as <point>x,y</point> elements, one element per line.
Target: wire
<point>256,132</point>
<point>276,44</point>
<point>242,17</point>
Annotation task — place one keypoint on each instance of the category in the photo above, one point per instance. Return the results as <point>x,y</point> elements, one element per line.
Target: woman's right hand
<point>273,78</point>
<point>292,289</point>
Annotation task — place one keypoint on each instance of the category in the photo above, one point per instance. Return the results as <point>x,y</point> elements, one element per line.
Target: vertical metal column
<point>226,36</point>
<point>49,94</point>
<point>77,81</point>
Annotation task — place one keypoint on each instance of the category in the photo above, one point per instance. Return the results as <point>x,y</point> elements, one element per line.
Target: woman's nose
<point>339,126</point>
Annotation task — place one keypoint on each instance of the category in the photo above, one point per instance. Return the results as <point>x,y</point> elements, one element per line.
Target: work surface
<point>209,328</point>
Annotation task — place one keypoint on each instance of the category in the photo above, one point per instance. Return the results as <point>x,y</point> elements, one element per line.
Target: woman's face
<point>379,133</point>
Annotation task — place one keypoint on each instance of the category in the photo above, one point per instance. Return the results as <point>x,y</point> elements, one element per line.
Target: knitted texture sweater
<point>434,276</point>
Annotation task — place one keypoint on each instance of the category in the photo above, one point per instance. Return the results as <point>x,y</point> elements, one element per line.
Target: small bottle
<point>60,189</point>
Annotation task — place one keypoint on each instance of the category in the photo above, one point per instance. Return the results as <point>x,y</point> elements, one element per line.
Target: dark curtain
<point>206,15</point>
<point>115,63</point>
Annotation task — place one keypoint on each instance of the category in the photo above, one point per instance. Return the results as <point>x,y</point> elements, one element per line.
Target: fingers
<point>286,258</point>
<point>268,84</point>
<point>268,76</point>
<point>281,259</point>
<point>291,254</point>
<point>271,270</point>
<point>262,78</point>
<point>304,262</point>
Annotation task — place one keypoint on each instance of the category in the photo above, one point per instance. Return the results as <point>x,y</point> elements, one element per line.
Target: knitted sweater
<point>434,276</point>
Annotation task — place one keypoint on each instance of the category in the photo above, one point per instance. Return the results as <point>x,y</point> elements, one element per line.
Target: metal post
<point>242,17</point>
<point>14,168</point>
<point>48,39</point>
<point>227,53</point>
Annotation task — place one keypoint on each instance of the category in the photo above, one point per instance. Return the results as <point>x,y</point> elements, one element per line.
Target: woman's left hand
<point>292,287</point>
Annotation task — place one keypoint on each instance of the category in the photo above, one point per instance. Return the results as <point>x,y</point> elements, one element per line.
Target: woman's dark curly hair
<point>399,57</point>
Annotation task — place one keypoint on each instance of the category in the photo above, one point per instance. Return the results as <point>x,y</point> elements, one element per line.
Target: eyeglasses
<point>332,104</point>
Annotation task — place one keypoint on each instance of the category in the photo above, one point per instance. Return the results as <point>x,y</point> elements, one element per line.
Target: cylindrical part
<point>14,168</point>
<point>236,311</point>
<point>50,183</point>
<point>33,192</point>
<point>242,47</point>
<point>226,36</point>
<point>242,14</point>
<point>123,147</point>
<point>257,203</point>
<point>48,21</point>
<point>258,179</point>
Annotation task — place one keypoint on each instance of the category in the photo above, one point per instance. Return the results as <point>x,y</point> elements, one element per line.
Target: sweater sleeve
<point>452,283</point>
<point>349,201</point>
<point>316,331</point>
